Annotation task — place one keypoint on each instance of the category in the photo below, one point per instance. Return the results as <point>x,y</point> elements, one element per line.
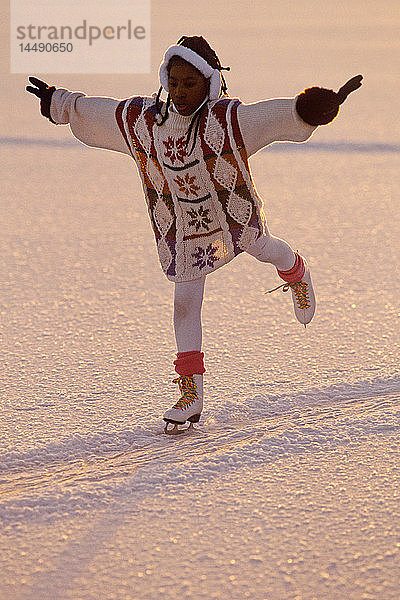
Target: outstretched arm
<point>270,121</point>
<point>91,119</point>
<point>291,119</point>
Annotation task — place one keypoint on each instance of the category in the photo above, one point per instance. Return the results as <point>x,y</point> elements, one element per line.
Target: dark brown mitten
<point>44,92</point>
<point>319,106</point>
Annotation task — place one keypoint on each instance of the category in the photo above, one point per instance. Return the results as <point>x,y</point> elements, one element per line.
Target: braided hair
<point>199,45</point>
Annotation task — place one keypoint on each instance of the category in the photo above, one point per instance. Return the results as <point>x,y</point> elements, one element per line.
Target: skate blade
<point>175,429</point>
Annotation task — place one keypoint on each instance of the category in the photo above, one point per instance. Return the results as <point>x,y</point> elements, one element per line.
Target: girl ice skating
<point>192,154</point>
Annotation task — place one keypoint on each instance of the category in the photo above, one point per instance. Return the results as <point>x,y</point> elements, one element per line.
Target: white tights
<point>188,295</point>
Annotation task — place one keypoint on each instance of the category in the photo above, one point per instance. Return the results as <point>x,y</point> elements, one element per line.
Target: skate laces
<point>300,290</point>
<point>187,387</point>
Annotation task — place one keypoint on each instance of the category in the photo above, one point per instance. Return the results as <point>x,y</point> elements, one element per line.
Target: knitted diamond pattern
<point>162,216</point>
<point>142,133</point>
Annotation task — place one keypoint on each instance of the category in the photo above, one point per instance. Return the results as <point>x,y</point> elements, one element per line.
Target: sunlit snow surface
<point>289,487</point>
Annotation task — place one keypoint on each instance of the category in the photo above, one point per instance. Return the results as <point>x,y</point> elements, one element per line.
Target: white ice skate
<point>189,405</point>
<point>302,295</point>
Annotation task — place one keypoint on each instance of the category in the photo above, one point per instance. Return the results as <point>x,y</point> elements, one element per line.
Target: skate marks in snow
<point>78,475</point>
<point>235,423</point>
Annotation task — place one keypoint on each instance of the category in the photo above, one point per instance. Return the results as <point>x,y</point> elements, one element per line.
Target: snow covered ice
<point>289,488</point>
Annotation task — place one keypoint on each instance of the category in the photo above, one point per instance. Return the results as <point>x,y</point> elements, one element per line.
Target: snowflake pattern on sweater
<point>205,257</point>
<point>199,218</point>
<point>175,149</point>
<point>204,209</point>
<point>187,184</point>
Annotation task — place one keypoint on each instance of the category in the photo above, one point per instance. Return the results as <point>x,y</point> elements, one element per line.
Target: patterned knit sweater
<point>203,207</point>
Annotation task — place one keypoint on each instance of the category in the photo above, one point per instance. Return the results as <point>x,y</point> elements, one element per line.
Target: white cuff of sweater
<point>62,103</point>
